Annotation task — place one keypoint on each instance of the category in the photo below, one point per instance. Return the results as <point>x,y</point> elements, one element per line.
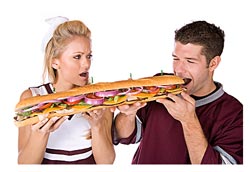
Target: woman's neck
<point>58,87</point>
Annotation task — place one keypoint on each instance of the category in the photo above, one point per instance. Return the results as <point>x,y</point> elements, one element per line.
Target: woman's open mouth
<point>84,74</point>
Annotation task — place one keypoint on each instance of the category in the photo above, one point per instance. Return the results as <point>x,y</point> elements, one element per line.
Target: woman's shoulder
<point>43,89</point>
<point>26,94</point>
<point>37,90</point>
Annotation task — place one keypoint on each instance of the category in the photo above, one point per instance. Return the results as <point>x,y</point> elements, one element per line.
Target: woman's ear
<point>214,63</point>
<point>55,64</point>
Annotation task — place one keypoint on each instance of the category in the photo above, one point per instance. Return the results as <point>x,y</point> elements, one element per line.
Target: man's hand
<point>131,109</point>
<point>181,108</point>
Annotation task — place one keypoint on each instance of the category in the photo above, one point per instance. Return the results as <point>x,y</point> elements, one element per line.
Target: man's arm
<point>195,140</point>
<point>124,124</point>
<point>183,110</point>
<point>126,119</point>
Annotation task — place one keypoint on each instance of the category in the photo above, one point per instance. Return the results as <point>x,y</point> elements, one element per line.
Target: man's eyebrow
<point>187,58</point>
<point>174,55</point>
<point>191,58</point>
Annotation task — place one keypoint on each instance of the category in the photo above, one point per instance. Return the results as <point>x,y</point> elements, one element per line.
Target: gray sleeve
<point>139,130</point>
<point>225,157</point>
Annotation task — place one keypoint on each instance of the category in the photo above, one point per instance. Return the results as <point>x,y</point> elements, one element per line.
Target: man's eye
<point>190,61</point>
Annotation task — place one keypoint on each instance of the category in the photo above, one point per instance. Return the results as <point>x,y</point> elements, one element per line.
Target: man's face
<point>188,63</point>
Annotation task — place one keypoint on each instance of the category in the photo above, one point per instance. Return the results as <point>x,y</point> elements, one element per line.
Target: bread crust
<point>101,86</point>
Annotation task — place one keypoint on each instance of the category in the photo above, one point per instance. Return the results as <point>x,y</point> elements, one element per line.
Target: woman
<point>78,139</point>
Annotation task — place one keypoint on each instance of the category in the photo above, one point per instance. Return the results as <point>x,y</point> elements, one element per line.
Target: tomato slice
<point>46,105</point>
<point>151,89</point>
<point>93,96</point>
<point>71,103</point>
<point>168,87</point>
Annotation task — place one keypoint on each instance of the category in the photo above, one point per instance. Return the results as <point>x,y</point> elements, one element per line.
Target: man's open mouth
<point>186,81</point>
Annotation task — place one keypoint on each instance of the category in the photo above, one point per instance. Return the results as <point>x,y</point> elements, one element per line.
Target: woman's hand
<point>95,117</point>
<point>46,125</point>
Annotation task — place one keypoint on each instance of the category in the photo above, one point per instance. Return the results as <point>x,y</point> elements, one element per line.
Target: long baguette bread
<point>96,96</point>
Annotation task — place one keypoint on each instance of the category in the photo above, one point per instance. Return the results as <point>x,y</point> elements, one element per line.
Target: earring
<point>55,66</point>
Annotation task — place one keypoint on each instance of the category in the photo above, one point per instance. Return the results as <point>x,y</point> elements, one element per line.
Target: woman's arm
<point>102,146</point>
<point>32,139</point>
<point>31,144</point>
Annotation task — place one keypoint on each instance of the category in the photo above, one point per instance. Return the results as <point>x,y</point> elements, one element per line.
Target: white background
<point>129,36</point>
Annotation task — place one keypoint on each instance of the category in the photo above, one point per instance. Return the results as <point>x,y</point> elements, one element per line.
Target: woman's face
<point>74,63</point>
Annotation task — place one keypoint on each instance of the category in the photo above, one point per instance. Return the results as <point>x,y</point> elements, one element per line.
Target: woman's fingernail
<point>41,117</point>
<point>55,118</point>
<point>65,117</point>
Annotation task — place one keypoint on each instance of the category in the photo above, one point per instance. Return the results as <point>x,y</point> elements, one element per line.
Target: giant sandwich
<point>96,96</point>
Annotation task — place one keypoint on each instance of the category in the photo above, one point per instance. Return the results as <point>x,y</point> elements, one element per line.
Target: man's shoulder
<point>230,98</point>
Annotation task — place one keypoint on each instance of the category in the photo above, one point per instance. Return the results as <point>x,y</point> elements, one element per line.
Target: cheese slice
<point>52,109</point>
<point>116,101</point>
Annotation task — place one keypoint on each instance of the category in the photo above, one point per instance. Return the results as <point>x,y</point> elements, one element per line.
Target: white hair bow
<point>53,22</point>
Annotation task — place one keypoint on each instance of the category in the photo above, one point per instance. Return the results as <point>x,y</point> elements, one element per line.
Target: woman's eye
<point>77,56</point>
<point>89,56</point>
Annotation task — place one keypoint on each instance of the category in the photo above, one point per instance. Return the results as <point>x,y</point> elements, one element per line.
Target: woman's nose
<point>85,63</point>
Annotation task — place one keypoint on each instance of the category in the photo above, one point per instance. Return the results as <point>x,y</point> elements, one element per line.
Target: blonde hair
<point>62,35</point>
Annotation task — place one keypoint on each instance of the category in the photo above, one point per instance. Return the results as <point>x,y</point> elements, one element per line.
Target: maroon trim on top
<point>64,152</point>
<point>89,160</point>
<point>47,86</point>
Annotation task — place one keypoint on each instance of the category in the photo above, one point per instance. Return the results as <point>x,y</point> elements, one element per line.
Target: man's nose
<point>179,67</point>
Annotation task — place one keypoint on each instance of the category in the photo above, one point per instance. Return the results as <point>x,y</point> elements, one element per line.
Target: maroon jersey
<point>162,140</point>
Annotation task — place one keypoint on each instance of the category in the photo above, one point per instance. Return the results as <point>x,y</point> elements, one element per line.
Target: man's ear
<point>55,64</point>
<point>214,63</point>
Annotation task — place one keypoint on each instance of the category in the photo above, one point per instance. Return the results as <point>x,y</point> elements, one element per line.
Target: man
<point>203,125</point>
